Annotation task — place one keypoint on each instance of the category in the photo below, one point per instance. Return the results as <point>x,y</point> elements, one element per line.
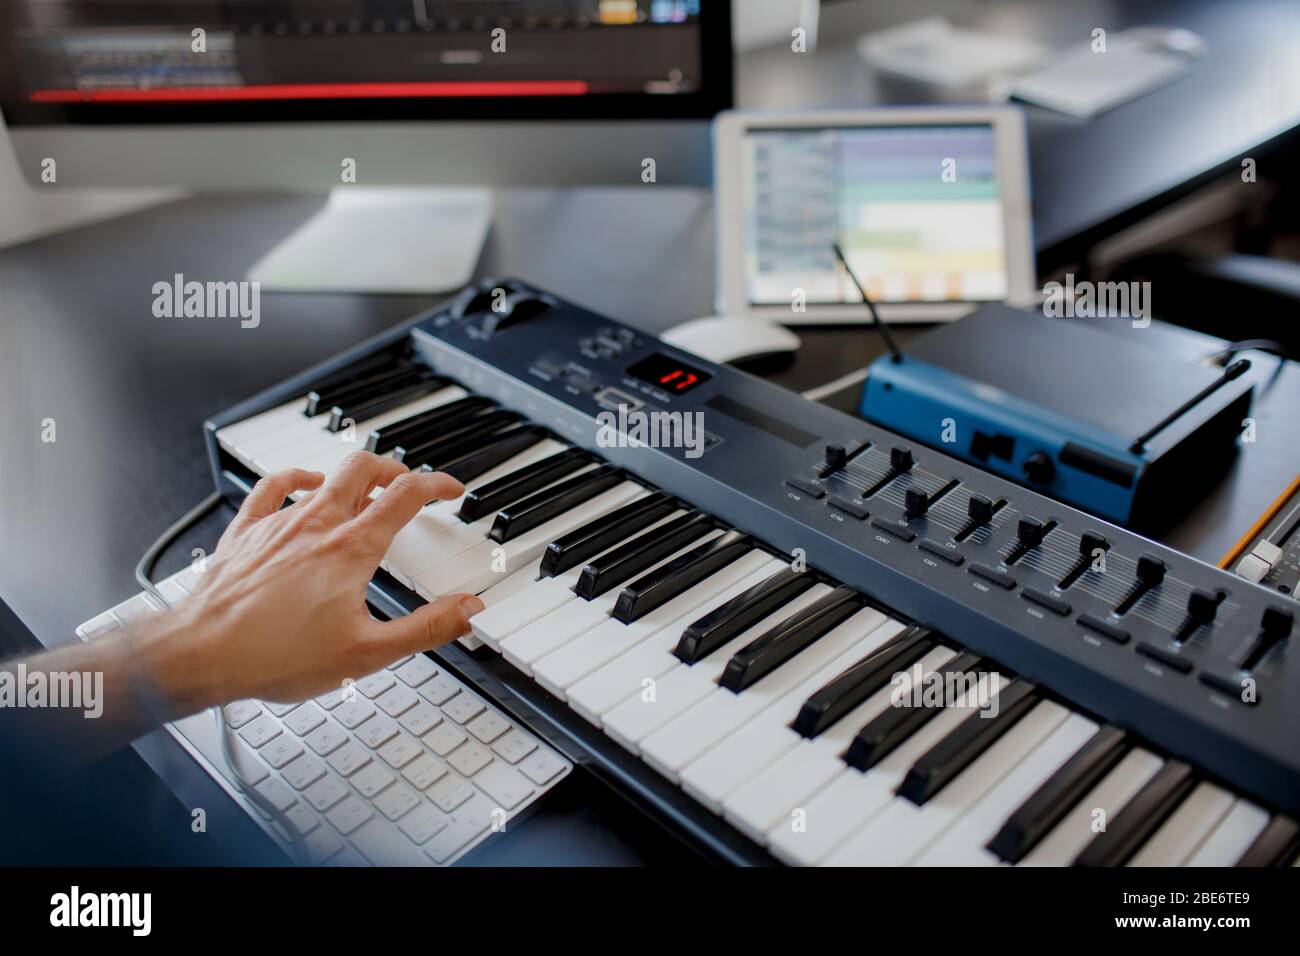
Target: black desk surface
<point>128,391</point>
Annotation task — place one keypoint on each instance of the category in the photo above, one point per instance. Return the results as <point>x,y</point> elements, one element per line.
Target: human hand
<point>279,613</point>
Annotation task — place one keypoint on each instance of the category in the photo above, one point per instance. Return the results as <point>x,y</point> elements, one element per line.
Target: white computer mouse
<point>731,338</point>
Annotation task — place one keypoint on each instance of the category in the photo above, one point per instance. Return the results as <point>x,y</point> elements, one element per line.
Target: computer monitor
<point>220,95</point>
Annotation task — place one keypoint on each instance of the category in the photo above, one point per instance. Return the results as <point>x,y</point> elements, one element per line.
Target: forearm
<point>70,706</point>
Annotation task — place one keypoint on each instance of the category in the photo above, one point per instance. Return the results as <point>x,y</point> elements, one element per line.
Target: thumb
<point>431,626</point>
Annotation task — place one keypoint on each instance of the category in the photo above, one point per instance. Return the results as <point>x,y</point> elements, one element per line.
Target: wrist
<point>173,663</point>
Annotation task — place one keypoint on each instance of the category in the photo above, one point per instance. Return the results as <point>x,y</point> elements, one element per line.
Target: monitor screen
<point>132,61</point>
<point>916,209</point>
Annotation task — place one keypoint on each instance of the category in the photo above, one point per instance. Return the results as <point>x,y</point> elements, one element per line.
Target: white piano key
<point>479,567</point>
<point>1232,836</point>
<point>1180,836</point>
<point>502,619</point>
<point>290,412</point>
<point>326,462</point>
<point>270,448</point>
<point>854,798</point>
<point>637,717</point>
<point>442,546</point>
<point>964,842</point>
<point>612,683</point>
<point>414,549</point>
<point>1075,831</point>
<point>567,665</point>
<point>571,620</point>
<point>904,829</point>
<point>745,754</point>
<point>687,737</point>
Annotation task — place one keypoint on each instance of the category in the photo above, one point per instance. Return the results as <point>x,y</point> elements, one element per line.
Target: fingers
<point>431,626</point>
<point>402,500</point>
<point>268,495</point>
<point>360,472</point>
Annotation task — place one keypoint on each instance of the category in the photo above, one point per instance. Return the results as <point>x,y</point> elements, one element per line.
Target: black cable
<point>143,576</point>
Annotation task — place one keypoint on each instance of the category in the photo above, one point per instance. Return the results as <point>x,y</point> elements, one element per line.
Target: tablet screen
<point>916,209</point>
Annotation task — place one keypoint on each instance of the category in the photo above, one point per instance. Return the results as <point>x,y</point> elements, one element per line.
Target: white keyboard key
<point>1075,831</point>
<point>575,660</point>
<point>470,759</point>
<point>349,758</point>
<point>375,684</point>
<point>1182,834</point>
<point>514,746</point>
<point>371,779</point>
<point>488,726</point>
<point>353,713</point>
<point>964,844</point>
<point>377,731</point>
<point>421,718</point>
<point>439,690</point>
<point>424,771</point>
<point>326,739</point>
<point>687,737</point>
<point>422,823</point>
<point>904,829</point>
<point>303,772</point>
<point>301,819</point>
<point>305,719</point>
<point>349,814</point>
<point>259,731</point>
<point>416,671</point>
<point>331,699</point>
<point>1234,834</point>
<point>445,738</point>
<point>397,800</point>
<point>400,751</point>
<point>250,770</point>
<point>553,630</point>
<point>502,618</point>
<point>276,793</point>
<point>397,700</point>
<point>450,792</point>
<point>463,708</point>
<point>469,821</point>
<point>241,712</point>
<point>541,767</point>
<point>281,750</point>
<point>280,710</point>
<point>854,798</point>
<point>477,568</point>
<point>325,793</point>
<point>507,786</point>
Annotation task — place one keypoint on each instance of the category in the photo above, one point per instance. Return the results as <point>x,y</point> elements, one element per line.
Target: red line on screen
<point>318,91</point>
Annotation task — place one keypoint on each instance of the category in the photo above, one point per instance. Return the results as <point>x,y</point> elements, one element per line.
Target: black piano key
<point>552,502</point>
<point>1138,819</point>
<point>766,653</point>
<point>426,426</point>
<point>360,412</point>
<point>741,613</point>
<point>374,369</point>
<point>606,531</point>
<point>679,575</point>
<point>863,679</point>
<point>1048,805</point>
<point>1277,844</point>
<point>648,548</point>
<point>469,436</point>
<point>367,389</point>
<point>882,735</point>
<point>935,768</point>
<point>504,446</point>
<point>495,495</point>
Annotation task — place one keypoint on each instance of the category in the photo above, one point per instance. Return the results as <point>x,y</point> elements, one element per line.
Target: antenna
<point>888,336</point>
<point>1235,370</point>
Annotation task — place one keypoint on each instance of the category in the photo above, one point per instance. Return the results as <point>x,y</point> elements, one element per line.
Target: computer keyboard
<point>405,766</point>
